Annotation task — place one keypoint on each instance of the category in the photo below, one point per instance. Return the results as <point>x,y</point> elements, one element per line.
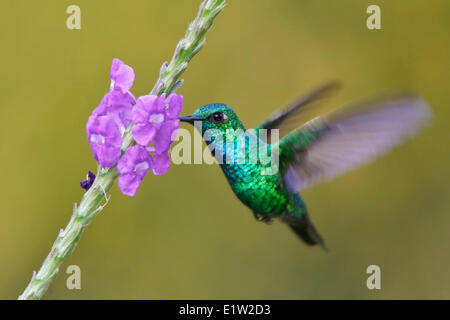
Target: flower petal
<point>117,104</point>
<point>122,75</point>
<point>129,183</point>
<point>105,139</point>
<point>139,114</point>
<point>101,108</point>
<point>116,101</point>
<point>143,133</point>
<point>160,163</point>
<point>175,103</point>
<point>166,135</point>
<point>149,103</point>
<point>133,155</point>
<point>107,157</point>
<point>87,184</point>
<point>133,166</point>
<point>126,162</point>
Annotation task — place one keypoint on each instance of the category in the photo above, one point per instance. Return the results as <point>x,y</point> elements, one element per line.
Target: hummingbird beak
<point>190,119</point>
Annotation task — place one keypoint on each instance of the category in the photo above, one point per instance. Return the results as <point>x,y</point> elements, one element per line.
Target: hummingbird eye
<point>219,117</point>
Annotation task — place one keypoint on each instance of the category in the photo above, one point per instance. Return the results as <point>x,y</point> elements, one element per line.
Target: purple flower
<point>119,105</point>
<point>133,167</point>
<point>87,184</point>
<point>156,120</point>
<point>105,139</point>
<point>119,101</point>
<point>161,145</point>
<point>165,136</point>
<point>122,76</point>
<point>112,116</point>
<point>174,104</point>
<point>148,116</point>
<point>160,163</point>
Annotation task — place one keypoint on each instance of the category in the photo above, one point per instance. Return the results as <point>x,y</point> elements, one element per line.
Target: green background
<point>185,235</point>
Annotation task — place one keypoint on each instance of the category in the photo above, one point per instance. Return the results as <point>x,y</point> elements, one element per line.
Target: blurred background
<point>185,235</point>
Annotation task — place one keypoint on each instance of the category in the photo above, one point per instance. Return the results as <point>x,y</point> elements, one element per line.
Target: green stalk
<point>94,200</point>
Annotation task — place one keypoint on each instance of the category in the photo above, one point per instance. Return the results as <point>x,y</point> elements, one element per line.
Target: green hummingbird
<point>307,151</point>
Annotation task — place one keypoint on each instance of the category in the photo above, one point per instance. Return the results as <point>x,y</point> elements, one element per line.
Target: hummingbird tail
<point>304,228</point>
<point>298,220</point>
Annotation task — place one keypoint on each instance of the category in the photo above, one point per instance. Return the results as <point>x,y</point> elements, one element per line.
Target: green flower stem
<point>187,47</point>
<point>96,198</point>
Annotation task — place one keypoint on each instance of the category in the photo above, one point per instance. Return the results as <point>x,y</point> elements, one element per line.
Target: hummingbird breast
<point>263,194</point>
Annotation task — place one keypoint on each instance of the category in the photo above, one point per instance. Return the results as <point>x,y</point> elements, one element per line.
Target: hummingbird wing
<point>289,118</point>
<point>332,144</point>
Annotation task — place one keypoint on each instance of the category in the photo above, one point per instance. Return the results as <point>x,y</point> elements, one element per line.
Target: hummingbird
<point>308,151</point>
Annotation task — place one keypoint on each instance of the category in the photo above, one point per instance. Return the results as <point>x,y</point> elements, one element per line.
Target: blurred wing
<point>331,145</point>
<point>288,119</point>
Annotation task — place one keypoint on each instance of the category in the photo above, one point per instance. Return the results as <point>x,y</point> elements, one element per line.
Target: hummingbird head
<point>216,116</point>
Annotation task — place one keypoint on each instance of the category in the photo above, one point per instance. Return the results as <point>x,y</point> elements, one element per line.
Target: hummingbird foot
<point>263,218</point>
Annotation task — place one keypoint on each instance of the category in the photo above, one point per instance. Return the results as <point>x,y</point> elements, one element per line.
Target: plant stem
<point>91,202</point>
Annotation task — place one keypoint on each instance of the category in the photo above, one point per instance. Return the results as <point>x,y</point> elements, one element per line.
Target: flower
<point>156,120</point>
<point>105,139</point>
<point>166,134</point>
<point>148,115</point>
<point>174,103</point>
<point>119,101</point>
<point>122,76</point>
<point>161,163</point>
<point>133,167</point>
<point>87,184</point>
<point>161,145</point>
<point>118,105</point>
<point>112,116</point>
